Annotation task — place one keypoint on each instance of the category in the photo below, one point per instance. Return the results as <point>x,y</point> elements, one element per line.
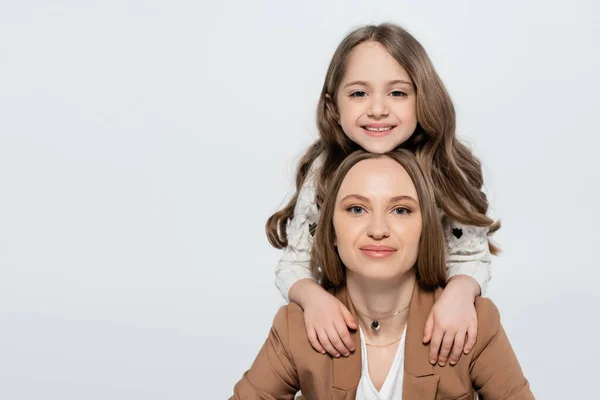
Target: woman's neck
<point>380,300</point>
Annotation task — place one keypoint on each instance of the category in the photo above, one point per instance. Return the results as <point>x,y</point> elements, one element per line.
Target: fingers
<point>471,338</point>
<point>434,346</point>
<point>314,341</point>
<point>428,329</point>
<point>326,343</point>
<point>327,329</point>
<point>459,342</point>
<point>336,341</point>
<point>348,318</point>
<point>344,335</point>
<point>446,348</point>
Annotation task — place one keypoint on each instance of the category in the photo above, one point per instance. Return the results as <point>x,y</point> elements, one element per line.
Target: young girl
<point>382,92</point>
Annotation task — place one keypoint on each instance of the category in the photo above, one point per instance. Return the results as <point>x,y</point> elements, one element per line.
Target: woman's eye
<point>398,93</point>
<point>355,210</point>
<point>402,211</point>
<point>358,93</point>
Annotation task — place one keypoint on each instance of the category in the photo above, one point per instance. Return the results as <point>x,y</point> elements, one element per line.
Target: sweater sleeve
<point>468,252</point>
<point>294,263</point>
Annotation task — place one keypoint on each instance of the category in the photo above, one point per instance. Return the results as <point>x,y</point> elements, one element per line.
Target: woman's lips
<point>377,251</point>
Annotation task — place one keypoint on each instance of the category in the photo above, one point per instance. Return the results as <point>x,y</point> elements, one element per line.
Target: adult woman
<point>380,246</point>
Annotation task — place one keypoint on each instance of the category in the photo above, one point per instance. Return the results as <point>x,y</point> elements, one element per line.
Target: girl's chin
<point>378,148</point>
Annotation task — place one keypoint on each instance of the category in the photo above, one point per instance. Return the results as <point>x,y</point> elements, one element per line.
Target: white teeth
<point>387,128</point>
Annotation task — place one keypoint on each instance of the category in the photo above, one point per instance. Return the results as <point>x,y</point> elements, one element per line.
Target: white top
<point>468,252</point>
<point>392,386</point>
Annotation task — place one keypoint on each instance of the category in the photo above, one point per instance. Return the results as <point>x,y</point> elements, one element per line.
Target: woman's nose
<point>378,228</point>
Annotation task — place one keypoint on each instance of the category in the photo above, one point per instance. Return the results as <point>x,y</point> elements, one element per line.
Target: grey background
<point>143,144</point>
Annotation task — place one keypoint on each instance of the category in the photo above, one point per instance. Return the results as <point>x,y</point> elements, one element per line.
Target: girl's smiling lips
<point>378,129</point>
<point>378,251</point>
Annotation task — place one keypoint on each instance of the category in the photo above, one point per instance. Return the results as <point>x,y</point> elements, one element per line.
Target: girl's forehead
<point>372,61</point>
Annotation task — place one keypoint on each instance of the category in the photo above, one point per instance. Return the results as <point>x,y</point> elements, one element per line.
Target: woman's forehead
<point>379,178</point>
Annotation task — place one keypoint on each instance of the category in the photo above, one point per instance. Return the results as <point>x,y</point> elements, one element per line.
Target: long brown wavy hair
<point>325,261</point>
<point>452,168</point>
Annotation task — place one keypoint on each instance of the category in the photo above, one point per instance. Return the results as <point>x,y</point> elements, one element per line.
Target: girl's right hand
<point>327,321</point>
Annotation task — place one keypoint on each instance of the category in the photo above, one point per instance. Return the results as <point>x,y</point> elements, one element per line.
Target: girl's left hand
<point>452,323</point>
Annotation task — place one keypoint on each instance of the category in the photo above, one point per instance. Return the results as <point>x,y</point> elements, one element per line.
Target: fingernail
<point>337,355</point>
<point>432,362</point>
<point>442,364</point>
<point>346,354</point>
<point>452,362</point>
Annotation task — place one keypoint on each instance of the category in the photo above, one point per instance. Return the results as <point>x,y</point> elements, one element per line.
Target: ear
<point>331,107</point>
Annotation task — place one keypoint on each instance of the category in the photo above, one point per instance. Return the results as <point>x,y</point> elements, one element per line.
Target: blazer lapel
<point>420,382</point>
<point>347,370</point>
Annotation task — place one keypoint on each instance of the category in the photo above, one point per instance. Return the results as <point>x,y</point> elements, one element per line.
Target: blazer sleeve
<point>495,371</point>
<point>273,374</point>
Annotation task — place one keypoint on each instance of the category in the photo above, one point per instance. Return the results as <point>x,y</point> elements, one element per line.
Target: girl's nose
<point>377,107</point>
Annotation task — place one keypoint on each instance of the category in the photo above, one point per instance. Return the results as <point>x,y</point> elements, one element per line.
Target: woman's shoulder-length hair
<point>326,264</point>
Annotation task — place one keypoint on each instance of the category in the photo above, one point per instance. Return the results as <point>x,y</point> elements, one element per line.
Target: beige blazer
<point>287,362</point>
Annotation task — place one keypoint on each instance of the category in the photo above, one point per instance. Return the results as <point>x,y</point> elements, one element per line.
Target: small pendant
<point>375,325</point>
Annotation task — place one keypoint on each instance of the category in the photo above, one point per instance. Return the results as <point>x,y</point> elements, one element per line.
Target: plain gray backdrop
<point>143,144</point>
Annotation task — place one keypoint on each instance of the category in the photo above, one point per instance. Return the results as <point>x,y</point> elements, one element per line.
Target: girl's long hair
<point>452,168</point>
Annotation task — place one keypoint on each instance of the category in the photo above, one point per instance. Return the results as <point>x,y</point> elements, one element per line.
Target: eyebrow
<point>394,82</point>
<point>366,200</point>
<point>401,198</point>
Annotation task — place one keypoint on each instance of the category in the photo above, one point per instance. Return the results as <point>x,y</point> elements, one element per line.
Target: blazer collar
<point>420,382</point>
<point>347,370</point>
<point>419,377</point>
<point>416,356</point>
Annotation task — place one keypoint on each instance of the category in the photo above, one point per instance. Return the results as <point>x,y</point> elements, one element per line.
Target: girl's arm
<point>452,324</point>
<point>294,264</point>
<point>326,318</point>
<point>468,253</point>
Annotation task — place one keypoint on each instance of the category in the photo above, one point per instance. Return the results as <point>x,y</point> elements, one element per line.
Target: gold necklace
<point>375,321</point>
<point>383,345</point>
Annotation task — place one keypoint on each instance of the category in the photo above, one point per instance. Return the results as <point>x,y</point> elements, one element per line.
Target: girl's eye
<point>401,211</point>
<point>356,210</point>
<point>358,93</point>
<point>398,93</point>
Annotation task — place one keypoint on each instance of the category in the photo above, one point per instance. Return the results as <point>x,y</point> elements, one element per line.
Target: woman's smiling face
<point>377,220</point>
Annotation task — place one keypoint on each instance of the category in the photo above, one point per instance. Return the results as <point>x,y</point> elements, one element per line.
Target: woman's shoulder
<point>289,328</point>
<point>288,325</point>
<point>289,317</point>
<point>487,310</point>
<point>488,322</point>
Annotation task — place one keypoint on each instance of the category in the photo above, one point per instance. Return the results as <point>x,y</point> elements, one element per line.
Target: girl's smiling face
<point>376,100</point>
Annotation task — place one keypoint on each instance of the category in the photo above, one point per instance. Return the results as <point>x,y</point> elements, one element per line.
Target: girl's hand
<point>327,320</point>
<point>452,323</point>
